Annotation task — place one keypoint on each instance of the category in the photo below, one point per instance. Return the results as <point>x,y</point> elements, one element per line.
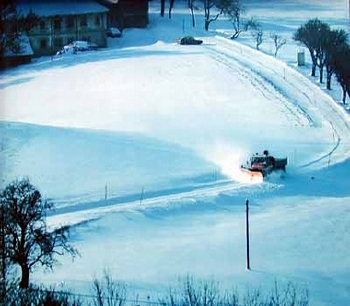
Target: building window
<point>83,20</point>
<point>57,24</point>
<point>42,25</point>
<point>97,20</point>
<point>70,21</point>
<point>43,43</point>
<point>58,42</point>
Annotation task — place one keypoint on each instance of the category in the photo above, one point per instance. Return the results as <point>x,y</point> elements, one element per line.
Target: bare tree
<point>209,6</point>
<point>28,241</point>
<point>321,53</point>
<point>341,65</point>
<point>172,2</point>
<point>191,292</point>
<point>278,41</point>
<point>109,292</point>
<point>162,7</point>
<point>281,296</point>
<point>258,37</point>
<point>335,39</point>
<point>206,293</point>
<point>3,255</point>
<point>231,8</point>
<point>311,35</point>
<point>288,295</point>
<point>230,298</point>
<point>39,296</point>
<point>210,293</point>
<point>253,298</point>
<point>191,7</point>
<point>234,11</point>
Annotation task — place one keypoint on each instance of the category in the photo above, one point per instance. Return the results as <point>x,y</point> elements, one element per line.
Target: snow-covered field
<point>162,129</point>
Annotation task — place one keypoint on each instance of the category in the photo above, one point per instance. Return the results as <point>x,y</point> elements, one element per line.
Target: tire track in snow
<point>297,88</point>
<point>256,80</point>
<point>229,57</point>
<point>327,155</point>
<point>259,73</point>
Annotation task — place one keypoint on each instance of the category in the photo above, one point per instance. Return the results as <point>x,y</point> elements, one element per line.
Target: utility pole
<point>247,232</point>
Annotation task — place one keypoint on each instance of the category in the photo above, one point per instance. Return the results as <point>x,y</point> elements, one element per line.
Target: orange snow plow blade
<point>252,176</point>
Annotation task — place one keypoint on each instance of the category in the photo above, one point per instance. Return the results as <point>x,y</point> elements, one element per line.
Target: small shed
<point>301,57</point>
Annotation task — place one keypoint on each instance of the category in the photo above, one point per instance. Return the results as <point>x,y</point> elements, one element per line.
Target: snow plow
<point>261,165</point>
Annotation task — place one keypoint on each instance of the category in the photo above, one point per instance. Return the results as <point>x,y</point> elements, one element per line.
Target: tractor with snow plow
<point>261,165</point>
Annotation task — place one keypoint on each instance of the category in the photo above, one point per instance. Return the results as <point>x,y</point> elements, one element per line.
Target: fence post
<point>141,196</point>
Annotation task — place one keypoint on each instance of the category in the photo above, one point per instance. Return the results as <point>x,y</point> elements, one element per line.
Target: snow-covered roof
<point>62,7</point>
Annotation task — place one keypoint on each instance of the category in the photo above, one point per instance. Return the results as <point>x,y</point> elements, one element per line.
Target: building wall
<point>135,13</point>
<point>127,13</point>
<point>53,32</point>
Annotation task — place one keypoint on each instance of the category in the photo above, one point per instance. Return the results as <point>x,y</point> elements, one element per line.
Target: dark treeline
<point>329,51</point>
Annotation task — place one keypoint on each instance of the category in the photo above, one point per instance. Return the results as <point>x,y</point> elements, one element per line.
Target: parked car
<point>189,40</point>
<point>82,45</point>
<point>79,45</point>
<point>114,32</point>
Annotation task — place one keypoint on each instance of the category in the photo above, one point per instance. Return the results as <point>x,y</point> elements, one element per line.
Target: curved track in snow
<point>297,92</point>
<point>272,78</point>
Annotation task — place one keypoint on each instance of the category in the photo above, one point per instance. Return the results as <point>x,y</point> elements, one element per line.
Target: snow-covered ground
<point>161,130</point>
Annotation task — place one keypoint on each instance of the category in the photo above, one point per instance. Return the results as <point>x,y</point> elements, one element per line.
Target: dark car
<point>189,40</point>
<point>114,32</point>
